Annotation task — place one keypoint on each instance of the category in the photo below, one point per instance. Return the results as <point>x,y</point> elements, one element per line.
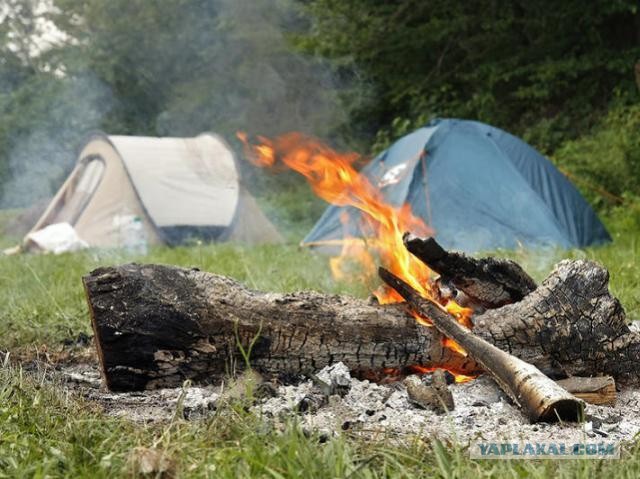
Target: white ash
<point>81,375</point>
<point>337,372</point>
<point>158,405</point>
<point>634,326</point>
<point>191,402</point>
<point>482,411</point>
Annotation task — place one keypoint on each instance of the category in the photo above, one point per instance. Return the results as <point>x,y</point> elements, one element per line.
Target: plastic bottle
<point>135,237</point>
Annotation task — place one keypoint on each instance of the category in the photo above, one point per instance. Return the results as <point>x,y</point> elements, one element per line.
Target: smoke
<point>41,155</point>
<point>220,65</point>
<point>254,80</point>
<point>539,261</point>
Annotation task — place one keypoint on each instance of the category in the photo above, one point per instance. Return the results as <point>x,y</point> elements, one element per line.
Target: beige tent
<point>181,188</point>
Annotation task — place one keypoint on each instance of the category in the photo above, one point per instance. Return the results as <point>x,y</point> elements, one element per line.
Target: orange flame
<point>333,177</point>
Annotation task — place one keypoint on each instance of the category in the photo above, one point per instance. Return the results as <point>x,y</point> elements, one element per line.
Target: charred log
<point>156,326</point>
<point>577,325</point>
<point>489,282</point>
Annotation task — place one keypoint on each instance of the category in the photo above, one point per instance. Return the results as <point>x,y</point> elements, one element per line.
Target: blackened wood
<point>490,282</point>
<point>577,324</point>
<point>156,326</point>
<point>539,397</point>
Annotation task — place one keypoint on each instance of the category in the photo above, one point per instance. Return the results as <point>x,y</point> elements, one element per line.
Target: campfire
<point>547,346</point>
<point>334,178</point>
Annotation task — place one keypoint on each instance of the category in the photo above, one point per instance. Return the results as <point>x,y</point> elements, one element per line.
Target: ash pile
<point>332,402</point>
<point>435,406</point>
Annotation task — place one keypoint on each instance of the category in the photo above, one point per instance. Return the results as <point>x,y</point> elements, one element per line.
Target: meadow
<point>47,431</point>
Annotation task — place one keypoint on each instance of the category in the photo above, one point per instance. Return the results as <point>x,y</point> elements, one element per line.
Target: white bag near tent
<point>57,238</point>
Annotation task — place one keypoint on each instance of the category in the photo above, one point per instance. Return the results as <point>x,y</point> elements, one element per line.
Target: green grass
<point>46,432</point>
<point>43,301</point>
<point>620,257</point>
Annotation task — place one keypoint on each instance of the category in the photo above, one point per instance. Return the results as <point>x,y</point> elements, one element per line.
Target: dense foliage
<point>543,68</point>
<point>606,163</point>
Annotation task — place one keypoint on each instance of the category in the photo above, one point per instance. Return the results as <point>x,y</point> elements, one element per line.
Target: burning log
<point>541,398</point>
<point>156,326</point>
<point>575,321</point>
<point>572,317</point>
<point>489,282</point>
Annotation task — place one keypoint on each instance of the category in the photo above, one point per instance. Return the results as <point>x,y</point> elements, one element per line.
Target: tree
<point>541,68</point>
<point>152,67</point>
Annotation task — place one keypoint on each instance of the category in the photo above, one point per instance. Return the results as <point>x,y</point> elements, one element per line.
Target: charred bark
<point>489,282</point>
<point>578,327</point>
<point>156,326</point>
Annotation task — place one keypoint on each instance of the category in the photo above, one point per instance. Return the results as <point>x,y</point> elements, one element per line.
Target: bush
<point>605,165</point>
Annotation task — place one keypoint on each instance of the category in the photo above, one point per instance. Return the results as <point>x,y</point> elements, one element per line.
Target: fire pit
<point>156,326</point>
<point>159,325</point>
<point>368,409</point>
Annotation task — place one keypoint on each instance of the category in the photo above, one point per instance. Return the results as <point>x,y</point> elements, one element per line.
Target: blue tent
<point>478,187</point>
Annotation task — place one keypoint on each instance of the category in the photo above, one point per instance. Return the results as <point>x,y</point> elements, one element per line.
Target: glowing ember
<point>334,178</point>
<point>458,378</point>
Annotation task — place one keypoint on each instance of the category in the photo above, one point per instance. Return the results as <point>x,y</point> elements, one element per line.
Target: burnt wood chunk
<point>430,392</point>
<point>489,282</point>
<point>157,325</point>
<point>576,322</point>
<point>599,390</point>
